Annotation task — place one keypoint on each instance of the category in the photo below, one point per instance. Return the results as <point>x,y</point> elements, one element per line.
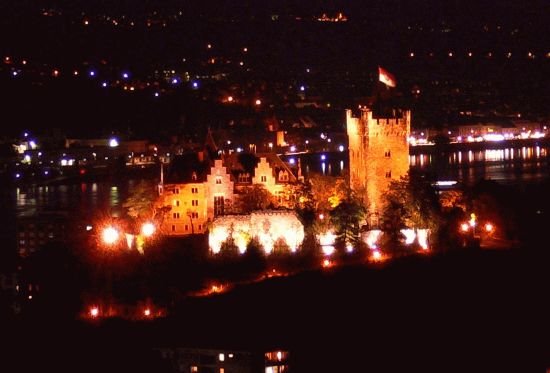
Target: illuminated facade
<point>202,189</point>
<point>269,228</point>
<point>378,153</point>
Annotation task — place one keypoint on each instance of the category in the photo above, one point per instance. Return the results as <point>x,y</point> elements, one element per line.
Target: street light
<point>110,235</point>
<point>148,229</point>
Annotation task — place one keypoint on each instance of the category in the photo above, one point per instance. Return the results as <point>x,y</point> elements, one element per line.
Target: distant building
<point>197,360</point>
<point>38,230</point>
<point>378,154</point>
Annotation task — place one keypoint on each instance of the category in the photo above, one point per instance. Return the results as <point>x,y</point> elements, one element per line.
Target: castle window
<point>173,228</point>
<point>195,202</point>
<point>177,202</point>
<point>176,215</point>
<point>388,174</point>
<point>186,227</point>
<point>283,176</point>
<point>194,190</point>
<point>218,179</point>
<point>263,178</point>
<point>218,205</point>
<point>387,154</point>
<point>176,190</point>
<point>244,177</point>
<point>194,215</point>
<point>200,227</point>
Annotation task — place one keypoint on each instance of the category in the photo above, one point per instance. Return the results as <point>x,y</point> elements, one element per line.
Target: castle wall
<point>379,153</point>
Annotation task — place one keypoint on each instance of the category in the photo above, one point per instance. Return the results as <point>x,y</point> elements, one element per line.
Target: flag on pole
<point>385,77</point>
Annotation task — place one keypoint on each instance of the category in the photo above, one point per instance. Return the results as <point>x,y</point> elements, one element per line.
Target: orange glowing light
<point>376,255</point>
<point>489,227</point>
<point>464,227</point>
<point>258,102</point>
<point>147,312</point>
<point>326,263</point>
<point>94,312</point>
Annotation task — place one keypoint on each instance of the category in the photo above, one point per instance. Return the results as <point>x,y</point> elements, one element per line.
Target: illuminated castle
<point>378,153</point>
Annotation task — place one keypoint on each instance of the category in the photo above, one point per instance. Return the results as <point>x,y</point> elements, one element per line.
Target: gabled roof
<point>183,168</point>
<point>238,163</point>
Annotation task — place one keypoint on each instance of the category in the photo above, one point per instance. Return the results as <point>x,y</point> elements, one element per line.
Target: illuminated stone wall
<point>267,227</point>
<point>188,213</point>
<point>378,153</point>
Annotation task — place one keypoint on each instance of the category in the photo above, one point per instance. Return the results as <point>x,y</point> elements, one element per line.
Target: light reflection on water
<point>93,199</point>
<point>507,165</point>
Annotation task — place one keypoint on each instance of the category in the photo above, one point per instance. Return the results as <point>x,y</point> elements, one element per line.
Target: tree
<point>347,218</point>
<point>140,202</point>
<point>410,203</point>
<point>255,198</point>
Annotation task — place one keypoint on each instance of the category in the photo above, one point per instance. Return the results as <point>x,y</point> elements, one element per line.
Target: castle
<point>378,153</point>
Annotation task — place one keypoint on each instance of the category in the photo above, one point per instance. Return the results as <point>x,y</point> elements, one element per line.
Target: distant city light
<point>104,84</point>
<point>292,161</point>
<point>94,312</point>
<point>230,99</point>
<point>32,144</point>
<point>113,143</point>
<point>91,73</point>
<point>258,102</point>
<point>175,81</point>
<point>147,312</point>
<point>125,75</point>
<point>302,88</point>
<point>341,148</point>
<point>156,94</point>
<point>323,157</point>
<point>195,85</point>
<point>14,73</point>
<point>293,148</point>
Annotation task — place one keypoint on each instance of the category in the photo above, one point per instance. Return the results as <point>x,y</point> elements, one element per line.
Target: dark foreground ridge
<point>477,311</point>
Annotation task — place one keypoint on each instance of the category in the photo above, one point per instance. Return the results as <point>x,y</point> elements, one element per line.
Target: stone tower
<point>378,153</point>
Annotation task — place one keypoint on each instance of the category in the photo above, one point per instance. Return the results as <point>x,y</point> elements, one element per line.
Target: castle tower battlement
<point>378,153</point>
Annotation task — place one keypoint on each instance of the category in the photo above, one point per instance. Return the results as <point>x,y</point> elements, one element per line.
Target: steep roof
<point>188,168</point>
<point>238,163</point>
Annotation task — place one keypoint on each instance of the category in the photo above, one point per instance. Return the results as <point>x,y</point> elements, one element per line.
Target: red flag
<point>385,77</point>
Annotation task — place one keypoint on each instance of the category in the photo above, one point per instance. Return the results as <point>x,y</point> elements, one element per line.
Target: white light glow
<point>422,237</point>
<point>148,229</point>
<point>110,235</point>
<point>113,143</point>
<point>372,238</point>
<point>409,235</point>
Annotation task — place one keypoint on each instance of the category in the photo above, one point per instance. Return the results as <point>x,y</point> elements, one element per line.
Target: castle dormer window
<point>283,176</point>
<point>263,179</point>
<point>387,154</point>
<point>244,177</point>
